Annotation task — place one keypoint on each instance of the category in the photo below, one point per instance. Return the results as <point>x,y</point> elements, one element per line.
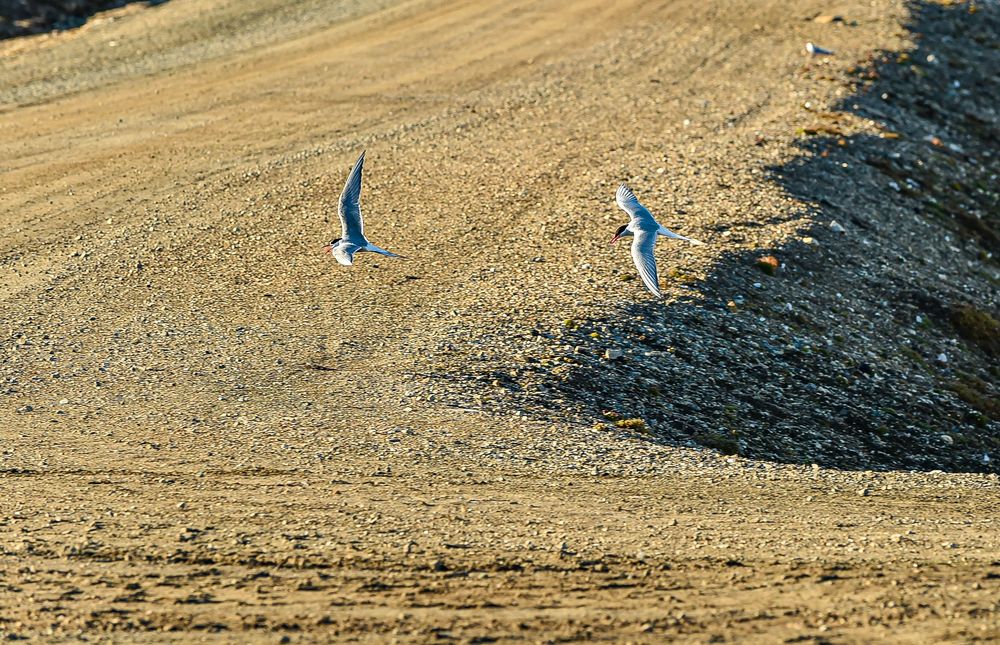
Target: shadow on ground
<point>25,17</point>
<point>874,344</point>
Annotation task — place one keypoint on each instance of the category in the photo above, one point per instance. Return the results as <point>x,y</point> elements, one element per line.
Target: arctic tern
<point>352,238</point>
<point>645,229</point>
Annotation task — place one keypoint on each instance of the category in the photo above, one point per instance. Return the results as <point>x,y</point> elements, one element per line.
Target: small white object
<point>942,358</point>
<point>893,185</point>
<point>612,354</point>
<point>816,50</point>
<point>947,439</point>
<point>836,227</point>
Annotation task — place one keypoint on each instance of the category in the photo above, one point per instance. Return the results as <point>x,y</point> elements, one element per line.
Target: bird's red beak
<point>328,248</point>
<point>615,238</point>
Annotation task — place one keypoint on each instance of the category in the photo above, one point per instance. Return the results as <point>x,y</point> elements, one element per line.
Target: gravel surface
<point>209,430</point>
<point>774,352</point>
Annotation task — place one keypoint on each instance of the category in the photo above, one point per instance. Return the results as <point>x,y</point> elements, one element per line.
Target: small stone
<point>942,358</point>
<point>63,401</point>
<point>612,354</point>
<point>826,19</point>
<point>864,492</point>
<point>836,227</point>
<point>947,440</point>
<point>768,264</point>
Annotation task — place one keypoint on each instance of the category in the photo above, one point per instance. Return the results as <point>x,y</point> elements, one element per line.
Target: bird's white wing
<point>645,261</point>
<point>344,252</point>
<point>628,202</point>
<point>350,205</point>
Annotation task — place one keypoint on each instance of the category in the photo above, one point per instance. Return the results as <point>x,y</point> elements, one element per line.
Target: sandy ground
<point>211,432</point>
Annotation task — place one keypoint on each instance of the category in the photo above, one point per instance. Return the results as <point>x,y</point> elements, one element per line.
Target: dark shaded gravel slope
<point>23,17</point>
<point>874,343</point>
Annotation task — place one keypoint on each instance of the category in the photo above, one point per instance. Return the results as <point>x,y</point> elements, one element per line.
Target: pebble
<point>612,354</point>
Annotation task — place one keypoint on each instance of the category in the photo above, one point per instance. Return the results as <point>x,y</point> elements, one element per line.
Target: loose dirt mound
<point>23,17</point>
<point>867,338</point>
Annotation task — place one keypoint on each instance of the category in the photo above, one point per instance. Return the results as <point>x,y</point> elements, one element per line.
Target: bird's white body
<point>644,228</point>
<point>353,238</point>
<point>344,251</point>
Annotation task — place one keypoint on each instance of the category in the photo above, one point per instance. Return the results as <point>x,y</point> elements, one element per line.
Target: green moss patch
<point>977,327</point>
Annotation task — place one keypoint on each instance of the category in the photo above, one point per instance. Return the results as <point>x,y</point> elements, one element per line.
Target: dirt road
<point>211,432</point>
